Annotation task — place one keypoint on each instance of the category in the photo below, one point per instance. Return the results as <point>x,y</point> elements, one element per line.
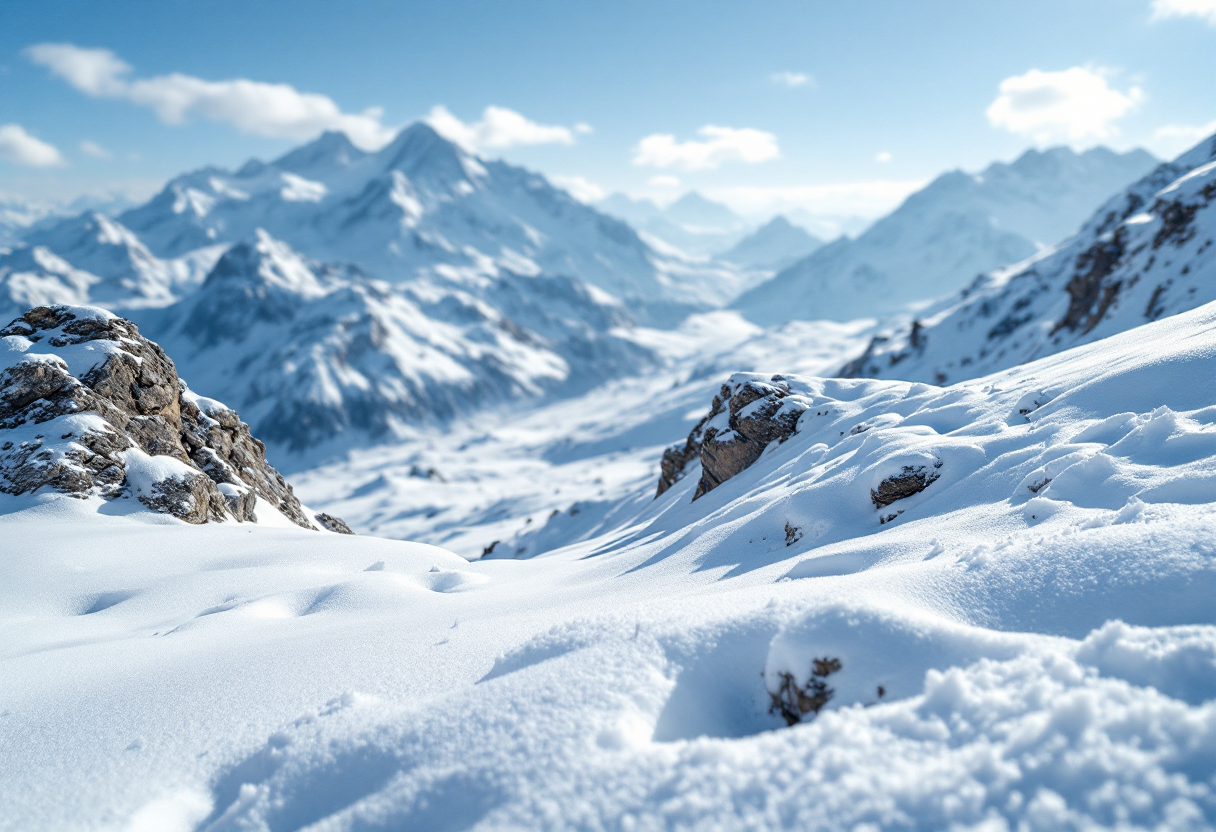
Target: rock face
<point>748,413</point>
<point>911,480</point>
<point>88,406</point>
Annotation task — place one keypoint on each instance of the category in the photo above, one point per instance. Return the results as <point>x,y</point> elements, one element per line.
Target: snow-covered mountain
<point>775,245</point>
<point>93,258</point>
<point>693,224</point>
<point>941,237</point>
<point>318,356</point>
<point>419,203</point>
<point>1145,254</point>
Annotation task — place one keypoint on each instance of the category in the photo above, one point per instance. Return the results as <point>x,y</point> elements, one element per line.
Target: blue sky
<point>837,107</point>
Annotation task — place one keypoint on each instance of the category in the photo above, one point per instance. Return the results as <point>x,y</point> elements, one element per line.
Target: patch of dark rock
<point>1090,296</point>
<point>792,534</point>
<point>911,480</point>
<point>1177,220</point>
<point>1036,487</point>
<point>331,523</point>
<point>1155,308</point>
<point>794,702</point>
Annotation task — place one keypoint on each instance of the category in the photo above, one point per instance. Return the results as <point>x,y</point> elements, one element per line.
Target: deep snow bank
<point>1038,617</point>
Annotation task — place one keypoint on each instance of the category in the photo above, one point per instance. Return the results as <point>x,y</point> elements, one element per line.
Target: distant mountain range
<point>1145,254</point>
<point>775,245</point>
<point>337,296</point>
<point>941,237</point>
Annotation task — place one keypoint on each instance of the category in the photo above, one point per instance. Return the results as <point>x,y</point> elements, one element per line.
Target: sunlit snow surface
<point>1047,656</point>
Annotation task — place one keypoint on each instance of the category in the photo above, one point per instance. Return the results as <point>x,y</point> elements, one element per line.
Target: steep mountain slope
<point>774,245</point>
<point>317,354</point>
<point>1144,255</point>
<point>419,202</point>
<point>944,235</point>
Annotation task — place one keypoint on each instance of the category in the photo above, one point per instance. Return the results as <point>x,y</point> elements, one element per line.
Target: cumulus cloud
<point>1074,105</point>
<point>262,109</point>
<point>90,148</point>
<point>582,189</point>
<point>1202,9</point>
<point>20,148</point>
<point>499,128</point>
<point>716,145</point>
<point>791,79</point>
<point>663,181</point>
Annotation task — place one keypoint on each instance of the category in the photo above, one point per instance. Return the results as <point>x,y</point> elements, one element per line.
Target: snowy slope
<point>1006,652</point>
<point>320,357</point>
<point>775,245</point>
<point>420,202</point>
<point>93,259</point>
<point>944,235</point>
<point>1145,254</point>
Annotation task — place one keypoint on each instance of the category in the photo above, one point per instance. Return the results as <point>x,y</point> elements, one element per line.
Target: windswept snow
<point>1029,642</point>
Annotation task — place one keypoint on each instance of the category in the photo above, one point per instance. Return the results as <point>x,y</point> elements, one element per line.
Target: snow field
<point>1047,656</point>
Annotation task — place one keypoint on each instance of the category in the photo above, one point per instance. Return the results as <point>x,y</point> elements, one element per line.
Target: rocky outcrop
<point>913,479</point>
<point>749,413</point>
<point>88,406</point>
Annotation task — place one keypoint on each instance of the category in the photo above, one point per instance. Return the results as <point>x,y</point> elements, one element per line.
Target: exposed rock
<point>88,406</point>
<point>335,524</point>
<point>794,701</point>
<point>747,414</point>
<point>911,480</point>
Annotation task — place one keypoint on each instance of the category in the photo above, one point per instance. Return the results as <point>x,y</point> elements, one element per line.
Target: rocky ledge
<point>89,407</point>
<point>748,413</point>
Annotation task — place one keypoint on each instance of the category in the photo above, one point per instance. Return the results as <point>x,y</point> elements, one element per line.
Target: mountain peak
<point>332,149</point>
<point>693,209</point>
<point>420,151</point>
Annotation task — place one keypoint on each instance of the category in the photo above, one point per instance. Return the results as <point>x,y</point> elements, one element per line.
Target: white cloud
<point>863,199</point>
<point>1172,139</point>
<point>582,189</point>
<point>90,148</point>
<point>717,145</point>
<point>662,181</point>
<point>883,158</point>
<point>262,109</point>
<point>583,128</point>
<point>1074,105</point>
<point>20,148</point>
<point>499,128</point>
<point>96,72</point>
<point>791,79</point>
<point>1202,9</point>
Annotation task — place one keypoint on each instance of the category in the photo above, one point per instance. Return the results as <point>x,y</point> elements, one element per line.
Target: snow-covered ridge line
<point>89,408</point>
<point>1146,254</point>
<point>941,237</point>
